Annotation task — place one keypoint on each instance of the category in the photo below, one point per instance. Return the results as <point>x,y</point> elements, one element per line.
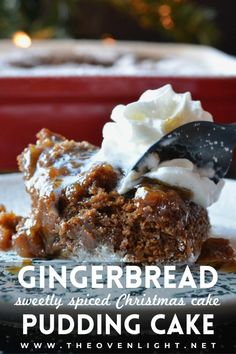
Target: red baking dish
<point>78,107</point>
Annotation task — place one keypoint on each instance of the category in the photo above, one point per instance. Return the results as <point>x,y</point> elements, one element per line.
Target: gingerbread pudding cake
<point>85,197</point>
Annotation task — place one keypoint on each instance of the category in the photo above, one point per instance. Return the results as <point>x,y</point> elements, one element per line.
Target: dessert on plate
<point>83,197</point>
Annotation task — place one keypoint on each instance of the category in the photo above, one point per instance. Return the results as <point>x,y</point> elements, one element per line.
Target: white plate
<point>223,219</point>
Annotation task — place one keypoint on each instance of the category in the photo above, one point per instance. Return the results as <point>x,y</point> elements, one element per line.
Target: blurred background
<point>210,22</point>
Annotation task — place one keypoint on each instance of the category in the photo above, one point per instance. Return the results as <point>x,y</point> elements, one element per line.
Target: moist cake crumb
<point>8,224</point>
<point>75,205</point>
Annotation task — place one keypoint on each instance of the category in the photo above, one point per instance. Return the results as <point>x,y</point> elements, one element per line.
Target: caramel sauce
<point>153,185</point>
<point>218,253</point>
<point>15,269</point>
<point>229,267</point>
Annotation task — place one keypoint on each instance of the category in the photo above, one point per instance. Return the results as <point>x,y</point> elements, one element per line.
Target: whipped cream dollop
<point>139,125</point>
